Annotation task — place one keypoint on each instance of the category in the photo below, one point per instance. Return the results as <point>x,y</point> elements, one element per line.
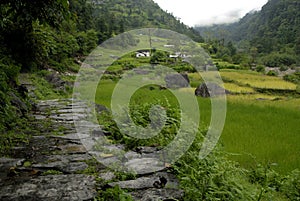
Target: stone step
<point>79,141</point>
<point>52,187</point>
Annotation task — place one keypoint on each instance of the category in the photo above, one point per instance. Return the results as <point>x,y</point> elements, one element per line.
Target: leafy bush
<point>158,57</point>
<point>272,73</point>
<point>12,118</point>
<point>140,117</point>
<point>277,59</point>
<point>260,68</point>
<point>298,89</point>
<point>212,178</point>
<point>112,194</point>
<point>295,77</point>
<point>291,185</point>
<point>283,68</point>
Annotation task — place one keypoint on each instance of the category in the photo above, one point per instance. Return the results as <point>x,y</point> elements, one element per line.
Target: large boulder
<point>210,90</point>
<point>18,103</point>
<point>55,80</point>
<point>177,80</point>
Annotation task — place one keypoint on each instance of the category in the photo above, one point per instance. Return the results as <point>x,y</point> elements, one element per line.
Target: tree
<point>18,17</point>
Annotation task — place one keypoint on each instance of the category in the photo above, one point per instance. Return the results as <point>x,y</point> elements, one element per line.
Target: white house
<point>144,53</point>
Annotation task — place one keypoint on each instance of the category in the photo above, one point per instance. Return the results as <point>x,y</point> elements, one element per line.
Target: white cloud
<point>205,12</point>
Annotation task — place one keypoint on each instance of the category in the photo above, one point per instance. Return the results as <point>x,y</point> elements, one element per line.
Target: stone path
<point>55,163</point>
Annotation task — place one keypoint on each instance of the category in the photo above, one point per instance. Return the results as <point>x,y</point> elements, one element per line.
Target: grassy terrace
<point>259,127</point>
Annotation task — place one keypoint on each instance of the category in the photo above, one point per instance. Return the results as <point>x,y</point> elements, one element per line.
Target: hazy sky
<point>205,12</point>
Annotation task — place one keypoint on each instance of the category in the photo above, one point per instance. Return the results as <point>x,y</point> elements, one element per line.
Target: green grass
<point>260,129</point>
<point>256,80</point>
<point>44,90</point>
<point>255,130</point>
<point>234,88</point>
<point>262,133</point>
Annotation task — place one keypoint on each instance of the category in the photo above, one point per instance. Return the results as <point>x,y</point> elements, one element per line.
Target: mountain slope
<point>116,16</point>
<point>275,27</point>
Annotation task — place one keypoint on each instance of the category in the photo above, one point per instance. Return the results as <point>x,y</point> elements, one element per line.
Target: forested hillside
<point>117,16</point>
<point>273,33</point>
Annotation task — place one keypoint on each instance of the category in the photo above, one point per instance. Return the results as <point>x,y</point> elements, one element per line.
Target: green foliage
<point>9,69</point>
<point>265,176</point>
<point>277,60</point>
<point>140,116</point>
<point>272,73</point>
<point>212,178</point>
<point>17,21</point>
<point>44,90</point>
<point>12,119</point>
<point>116,16</point>
<point>298,89</point>
<point>112,194</point>
<point>227,65</point>
<point>158,57</point>
<point>291,185</point>
<point>260,68</point>
<point>295,77</point>
<point>273,32</point>
<point>86,41</point>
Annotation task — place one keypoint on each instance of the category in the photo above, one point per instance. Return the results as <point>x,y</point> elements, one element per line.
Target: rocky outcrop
<point>210,90</point>
<point>174,81</point>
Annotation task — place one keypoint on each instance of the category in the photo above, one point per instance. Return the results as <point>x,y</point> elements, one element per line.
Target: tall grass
<point>255,130</point>
<point>262,133</point>
<point>256,80</point>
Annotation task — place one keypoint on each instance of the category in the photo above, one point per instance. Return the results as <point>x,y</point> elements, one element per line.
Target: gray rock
<point>210,90</point>
<point>50,188</point>
<point>107,176</point>
<point>7,163</point>
<point>56,81</point>
<point>157,180</point>
<point>74,167</point>
<point>63,166</point>
<point>158,194</point>
<point>72,149</point>
<point>16,101</point>
<point>142,166</point>
<point>140,183</point>
<point>177,80</point>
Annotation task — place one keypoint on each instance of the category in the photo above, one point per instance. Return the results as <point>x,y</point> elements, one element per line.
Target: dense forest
<point>269,36</point>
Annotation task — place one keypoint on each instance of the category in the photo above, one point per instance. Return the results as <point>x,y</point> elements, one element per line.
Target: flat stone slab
<point>72,136</point>
<point>72,149</point>
<point>7,163</point>
<point>106,176</point>
<point>143,166</point>
<point>157,180</point>
<point>63,166</point>
<point>50,188</point>
<point>157,194</point>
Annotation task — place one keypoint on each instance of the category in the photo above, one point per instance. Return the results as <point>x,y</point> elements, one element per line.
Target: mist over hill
<point>275,29</point>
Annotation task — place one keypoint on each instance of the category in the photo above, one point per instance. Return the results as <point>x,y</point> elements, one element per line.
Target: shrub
<point>277,59</point>
<point>291,185</point>
<point>260,68</point>
<point>295,77</point>
<point>298,89</point>
<point>272,73</point>
<point>115,193</point>
<point>212,178</point>
<point>283,68</point>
